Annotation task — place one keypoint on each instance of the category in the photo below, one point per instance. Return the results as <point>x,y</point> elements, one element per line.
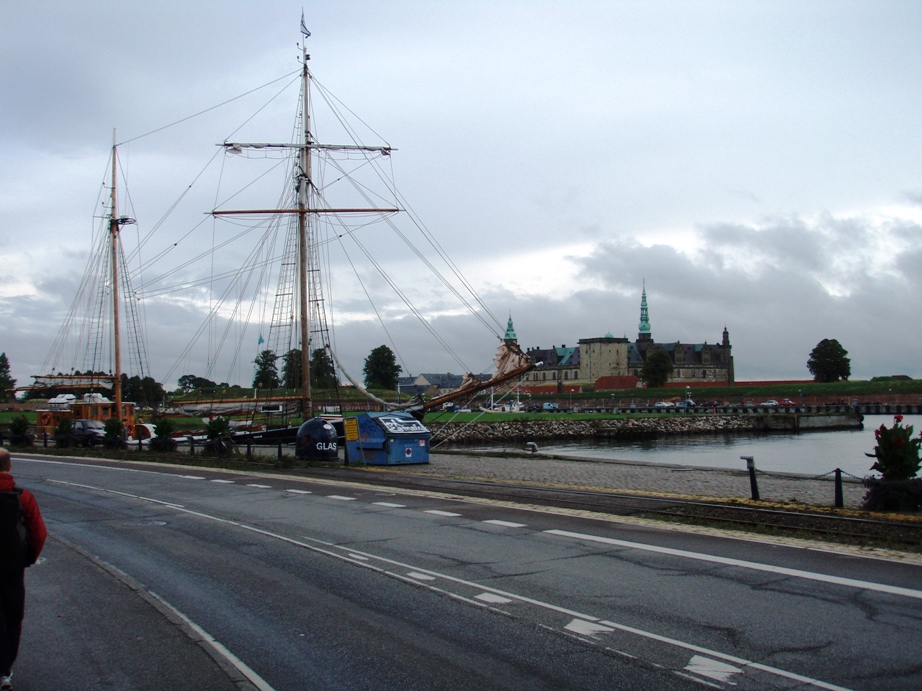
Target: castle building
<point>608,356</point>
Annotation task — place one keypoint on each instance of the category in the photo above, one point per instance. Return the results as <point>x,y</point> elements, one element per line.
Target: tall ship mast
<point>309,207</point>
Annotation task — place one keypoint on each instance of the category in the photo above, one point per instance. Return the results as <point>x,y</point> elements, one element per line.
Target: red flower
<point>898,418</point>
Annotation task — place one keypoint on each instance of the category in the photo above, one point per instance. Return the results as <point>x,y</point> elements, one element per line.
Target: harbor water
<point>810,453</point>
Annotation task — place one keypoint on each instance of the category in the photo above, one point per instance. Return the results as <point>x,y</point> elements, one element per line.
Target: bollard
<point>840,500</point>
<point>191,446</point>
<point>249,449</point>
<point>280,450</point>
<point>753,484</point>
<point>45,439</point>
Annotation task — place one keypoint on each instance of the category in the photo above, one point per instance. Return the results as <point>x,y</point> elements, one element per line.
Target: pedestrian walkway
<point>630,476</point>
<point>89,628</point>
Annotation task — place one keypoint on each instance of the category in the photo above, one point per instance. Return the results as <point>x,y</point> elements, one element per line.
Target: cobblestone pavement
<point>637,477</point>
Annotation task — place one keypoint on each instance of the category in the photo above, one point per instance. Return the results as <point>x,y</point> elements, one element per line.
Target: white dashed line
<point>224,482</point>
<point>260,486</point>
<point>420,576</point>
<point>389,505</point>
<point>341,498</point>
<point>436,512</point>
<point>298,491</point>
<point>493,599</point>
<point>358,556</point>
<point>505,524</point>
<point>192,477</point>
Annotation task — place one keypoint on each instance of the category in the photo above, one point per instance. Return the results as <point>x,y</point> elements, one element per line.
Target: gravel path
<point>638,477</point>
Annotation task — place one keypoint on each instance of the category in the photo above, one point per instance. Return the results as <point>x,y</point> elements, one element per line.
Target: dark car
<point>83,433</point>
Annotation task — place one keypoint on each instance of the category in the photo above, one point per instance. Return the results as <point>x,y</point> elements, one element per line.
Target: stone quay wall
<point>627,428</point>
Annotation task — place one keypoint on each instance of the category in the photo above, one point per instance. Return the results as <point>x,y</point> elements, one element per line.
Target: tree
<point>829,361</point>
<point>381,369</point>
<point>145,392</point>
<point>291,369</point>
<point>6,382</point>
<point>323,374</point>
<point>267,373</point>
<point>190,382</point>
<point>657,369</point>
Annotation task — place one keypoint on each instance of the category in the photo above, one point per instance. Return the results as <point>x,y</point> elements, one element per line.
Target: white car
<point>664,404</point>
<point>770,404</point>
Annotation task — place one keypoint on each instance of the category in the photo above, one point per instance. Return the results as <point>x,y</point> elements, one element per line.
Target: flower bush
<point>897,452</point>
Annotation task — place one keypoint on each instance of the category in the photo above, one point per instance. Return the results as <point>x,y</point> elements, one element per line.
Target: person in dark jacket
<point>15,557</point>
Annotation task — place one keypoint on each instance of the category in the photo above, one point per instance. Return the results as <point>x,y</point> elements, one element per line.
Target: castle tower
<point>644,333</point>
<point>510,336</point>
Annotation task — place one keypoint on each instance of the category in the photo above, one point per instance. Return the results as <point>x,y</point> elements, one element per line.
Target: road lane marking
<point>493,599</point>
<point>191,477</point>
<point>755,566</point>
<point>328,548</point>
<point>421,576</point>
<point>587,628</point>
<point>449,514</point>
<point>505,524</point>
<point>340,497</point>
<point>298,491</point>
<point>253,484</point>
<point>224,482</point>
<point>390,505</point>
<point>712,669</point>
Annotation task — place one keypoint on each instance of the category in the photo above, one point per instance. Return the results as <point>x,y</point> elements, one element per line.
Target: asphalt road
<point>158,577</point>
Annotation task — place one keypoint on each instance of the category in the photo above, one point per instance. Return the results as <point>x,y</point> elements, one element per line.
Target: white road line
<point>505,524</point>
<point>216,645</point>
<point>420,576</point>
<point>390,505</point>
<point>253,484</point>
<point>493,599</point>
<point>191,477</point>
<point>224,482</point>
<point>436,512</point>
<point>728,561</point>
<point>340,497</point>
<point>298,491</point>
<point>358,556</point>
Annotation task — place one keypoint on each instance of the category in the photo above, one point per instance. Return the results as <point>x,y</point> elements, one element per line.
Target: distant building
<point>605,357</point>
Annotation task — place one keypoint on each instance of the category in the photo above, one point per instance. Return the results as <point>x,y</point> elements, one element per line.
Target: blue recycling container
<point>386,439</point>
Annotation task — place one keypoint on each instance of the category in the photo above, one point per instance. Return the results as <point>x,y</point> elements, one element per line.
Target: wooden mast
<point>304,181</point>
<point>114,222</point>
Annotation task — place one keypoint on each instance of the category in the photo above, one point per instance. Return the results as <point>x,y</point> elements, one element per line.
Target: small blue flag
<point>260,341</point>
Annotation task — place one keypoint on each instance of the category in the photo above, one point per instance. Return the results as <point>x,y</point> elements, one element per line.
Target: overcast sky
<point>756,163</point>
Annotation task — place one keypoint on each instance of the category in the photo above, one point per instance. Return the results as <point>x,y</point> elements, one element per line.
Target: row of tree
<point>828,362</point>
<point>380,371</point>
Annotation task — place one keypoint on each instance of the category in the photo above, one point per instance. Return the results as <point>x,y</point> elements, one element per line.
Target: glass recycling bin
<point>386,439</point>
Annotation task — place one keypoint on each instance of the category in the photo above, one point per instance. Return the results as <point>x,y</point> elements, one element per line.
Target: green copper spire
<point>510,331</point>
<point>644,315</point>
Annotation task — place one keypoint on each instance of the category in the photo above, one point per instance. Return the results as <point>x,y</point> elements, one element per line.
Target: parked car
<point>786,402</point>
<point>664,404</point>
<point>686,404</point>
<point>770,403</point>
<point>550,406</point>
<point>82,433</point>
